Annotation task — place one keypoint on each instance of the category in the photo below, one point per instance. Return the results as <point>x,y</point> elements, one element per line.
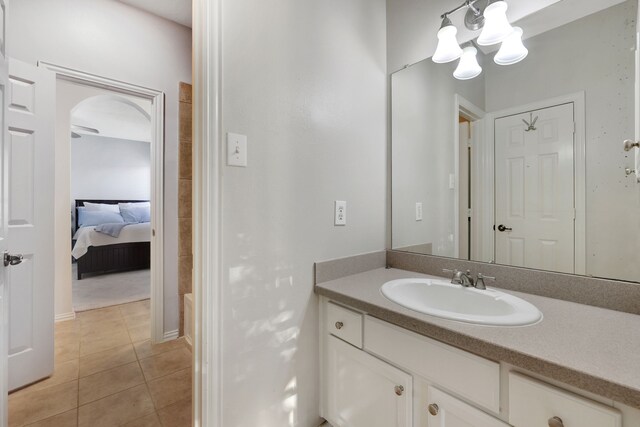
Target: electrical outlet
<point>418,211</point>
<point>340,217</point>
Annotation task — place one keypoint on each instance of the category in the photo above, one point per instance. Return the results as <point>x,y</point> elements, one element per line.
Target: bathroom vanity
<point>386,365</point>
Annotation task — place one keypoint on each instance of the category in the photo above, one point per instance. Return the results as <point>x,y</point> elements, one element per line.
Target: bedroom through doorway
<point>110,202</point>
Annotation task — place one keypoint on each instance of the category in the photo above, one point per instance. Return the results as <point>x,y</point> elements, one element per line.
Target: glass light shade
<point>496,25</point>
<point>448,48</point>
<point>468,66</point>
<point>512,49</point>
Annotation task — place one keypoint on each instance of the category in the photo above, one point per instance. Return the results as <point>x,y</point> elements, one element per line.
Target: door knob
<point>501,227</point>
<point>12,259</point>
<point>434,409</point>
<point>628,144</point>
<point>555,422</point>
<point>339,325</point>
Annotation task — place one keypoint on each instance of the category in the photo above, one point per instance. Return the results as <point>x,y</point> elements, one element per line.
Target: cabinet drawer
<point>533,403</point>
<point>345,324</point>
<point>470,376</point>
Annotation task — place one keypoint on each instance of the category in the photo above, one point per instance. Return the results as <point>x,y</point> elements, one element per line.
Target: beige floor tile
<point>98,343</point>
<point>117,409</point>
<point>98,362</point>
<point>66,349</point>
<point>36,405</point>
<point>137,320</point>
<point>109,382</point>
<point>96,316</point>
<point>102,328</point>
<point>145,349</point>
<point>171,388</point>
<point>150,420</point>
<point>166,363</point>
<point>178,414</point>
<point>141,332</point>
<point>67,326</point>
<point>63,372</point>
<point>135,308</point>
<point>67,419</point>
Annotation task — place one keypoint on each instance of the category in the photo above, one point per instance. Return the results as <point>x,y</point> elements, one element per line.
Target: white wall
<point>114,40</point>
<point>306,82</point>
<point>422,126</point>
<point>110,169</point>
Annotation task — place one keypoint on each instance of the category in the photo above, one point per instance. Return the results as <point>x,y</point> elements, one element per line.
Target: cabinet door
<point>447,411</point>
<point>363,391</point>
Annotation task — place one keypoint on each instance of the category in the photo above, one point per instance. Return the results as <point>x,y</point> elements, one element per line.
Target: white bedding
<point>87,236</point>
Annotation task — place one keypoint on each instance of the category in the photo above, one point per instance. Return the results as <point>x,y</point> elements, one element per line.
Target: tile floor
<point>107,373</point>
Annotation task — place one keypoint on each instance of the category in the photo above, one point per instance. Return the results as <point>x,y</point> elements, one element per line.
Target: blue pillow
<point>136,212</point>
<point>88,218</point>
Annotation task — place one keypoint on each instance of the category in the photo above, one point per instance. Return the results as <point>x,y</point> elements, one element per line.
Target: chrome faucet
<point>460,278</point>
<point>466,280</point>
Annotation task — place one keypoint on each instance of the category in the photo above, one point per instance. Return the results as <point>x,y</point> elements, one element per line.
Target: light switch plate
<point>418,211</point>
<point>236,150</point>
<point>340,217</point>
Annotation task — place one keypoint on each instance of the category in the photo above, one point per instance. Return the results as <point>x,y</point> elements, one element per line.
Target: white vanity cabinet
<point>362,390</point>
<point>533,403</point>
<point>447,411</point>
<point>378,374</point>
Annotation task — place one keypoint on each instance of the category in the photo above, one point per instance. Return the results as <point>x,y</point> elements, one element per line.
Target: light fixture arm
<point>467,4</point>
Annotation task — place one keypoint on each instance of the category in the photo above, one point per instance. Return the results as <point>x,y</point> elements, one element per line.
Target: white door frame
<point>207,214</point>
<point>475,114</point>
<point>580,167</point>
<point>157,178</point>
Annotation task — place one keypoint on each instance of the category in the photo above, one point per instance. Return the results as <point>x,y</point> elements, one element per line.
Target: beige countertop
<point>594,349</point>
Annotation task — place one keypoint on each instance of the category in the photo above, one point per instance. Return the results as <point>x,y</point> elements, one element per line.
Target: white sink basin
<point>443,299</point>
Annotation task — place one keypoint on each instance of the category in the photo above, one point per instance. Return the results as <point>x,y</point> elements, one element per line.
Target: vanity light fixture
<point>468,66</point>
<point>448,49</point>
<point>512,50</point>
<point>489,16</point>
<point>496,26</point>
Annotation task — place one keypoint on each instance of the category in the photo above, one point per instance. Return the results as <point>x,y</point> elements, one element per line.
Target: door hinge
<point>574,214</point>
<point>469,213</point>
<point>574,128</point>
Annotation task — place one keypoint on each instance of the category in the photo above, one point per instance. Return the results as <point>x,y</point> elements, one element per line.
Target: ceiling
<point>174,10</point>
<point>112,116</point>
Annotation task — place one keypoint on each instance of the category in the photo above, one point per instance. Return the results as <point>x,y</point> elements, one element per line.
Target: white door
<point>534,186</point>
<point>446,411</point>
<point>363,391</point>
<point>4,303</point>
<point>30,172</point>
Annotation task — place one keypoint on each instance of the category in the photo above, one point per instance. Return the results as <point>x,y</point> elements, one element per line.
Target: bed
<point>99,253</point>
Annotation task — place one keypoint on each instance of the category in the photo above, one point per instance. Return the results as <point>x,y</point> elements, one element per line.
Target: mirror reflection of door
<point>464,194</point>
<point>534,189</point>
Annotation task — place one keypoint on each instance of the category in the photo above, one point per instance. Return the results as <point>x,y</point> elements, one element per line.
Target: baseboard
<point>65,316</point>
<point>171,335</point>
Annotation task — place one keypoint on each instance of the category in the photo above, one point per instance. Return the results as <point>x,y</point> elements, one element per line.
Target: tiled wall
<point>185,261</point>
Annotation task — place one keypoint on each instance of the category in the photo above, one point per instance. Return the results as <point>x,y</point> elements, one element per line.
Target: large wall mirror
<point>524,165</point>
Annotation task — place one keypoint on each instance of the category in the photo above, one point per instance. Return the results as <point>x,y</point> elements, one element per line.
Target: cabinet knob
<point>399,390</point>
<point>629,144</point>
<point>339,325</point>
<point>556,422</point>
<point>433,409</point>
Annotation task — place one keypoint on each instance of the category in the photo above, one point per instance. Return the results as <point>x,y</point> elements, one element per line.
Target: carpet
<point>110,289</point>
